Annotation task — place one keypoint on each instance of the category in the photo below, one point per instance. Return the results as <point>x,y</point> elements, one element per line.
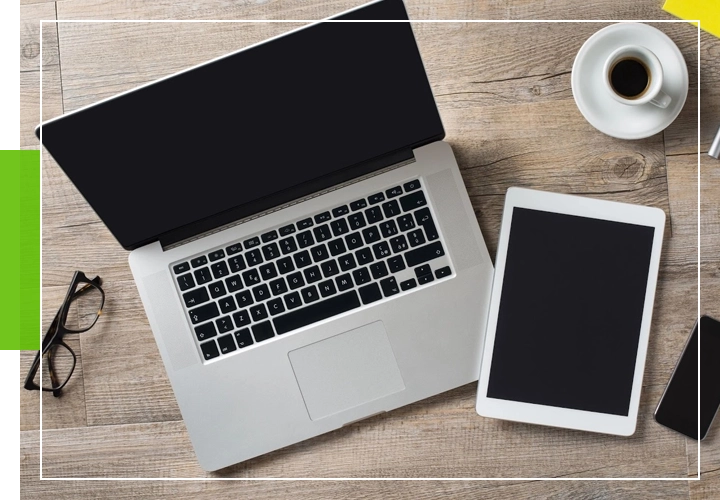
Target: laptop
<point>300,235</point>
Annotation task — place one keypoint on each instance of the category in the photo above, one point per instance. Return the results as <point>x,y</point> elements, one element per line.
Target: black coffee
<point>629,78</point>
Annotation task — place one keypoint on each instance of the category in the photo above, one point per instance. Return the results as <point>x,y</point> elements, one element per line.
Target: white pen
<point>714,150</point>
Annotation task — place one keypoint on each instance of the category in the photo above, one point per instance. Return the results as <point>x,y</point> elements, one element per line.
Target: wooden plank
<point>30,17</point>
<point>30,101</point>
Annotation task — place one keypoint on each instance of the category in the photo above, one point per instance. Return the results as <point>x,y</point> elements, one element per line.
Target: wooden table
<point>503,90</point>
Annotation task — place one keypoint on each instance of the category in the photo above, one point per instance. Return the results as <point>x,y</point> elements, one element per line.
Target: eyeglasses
<point>78,313</point>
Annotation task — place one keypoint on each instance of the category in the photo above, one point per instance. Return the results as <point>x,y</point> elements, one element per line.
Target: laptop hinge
<point>168,243</point>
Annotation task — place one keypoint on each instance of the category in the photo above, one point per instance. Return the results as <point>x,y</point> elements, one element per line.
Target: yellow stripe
<point>707,11</point>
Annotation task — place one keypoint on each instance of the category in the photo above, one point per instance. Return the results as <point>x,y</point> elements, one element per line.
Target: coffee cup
<point>634,76</point>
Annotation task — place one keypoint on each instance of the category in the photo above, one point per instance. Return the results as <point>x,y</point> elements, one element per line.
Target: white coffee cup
<point>653,91</point>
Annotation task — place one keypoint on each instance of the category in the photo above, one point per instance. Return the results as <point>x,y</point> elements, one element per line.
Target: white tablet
<point>570,312</point>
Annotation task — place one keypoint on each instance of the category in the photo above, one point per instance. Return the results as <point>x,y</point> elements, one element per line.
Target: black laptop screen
<point>250,131</point>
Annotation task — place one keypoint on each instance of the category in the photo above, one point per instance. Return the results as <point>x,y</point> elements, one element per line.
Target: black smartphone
<point>678,406</point>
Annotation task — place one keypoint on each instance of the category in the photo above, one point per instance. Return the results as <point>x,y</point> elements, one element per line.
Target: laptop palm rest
<point>347,370</point>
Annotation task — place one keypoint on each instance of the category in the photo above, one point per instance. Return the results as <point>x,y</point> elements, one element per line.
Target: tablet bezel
<point>583,207</point>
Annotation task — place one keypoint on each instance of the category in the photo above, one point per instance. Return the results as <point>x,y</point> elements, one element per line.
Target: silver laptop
<point>301,237</point>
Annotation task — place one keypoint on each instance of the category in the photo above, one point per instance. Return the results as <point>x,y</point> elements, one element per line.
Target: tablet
<point>570,312</point>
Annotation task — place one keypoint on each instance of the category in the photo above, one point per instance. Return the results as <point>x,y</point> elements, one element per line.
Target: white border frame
<point>419,21</point>
<point>583,207</point>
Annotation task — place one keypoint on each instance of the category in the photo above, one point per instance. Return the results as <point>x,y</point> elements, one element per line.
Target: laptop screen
<point>251,131</point>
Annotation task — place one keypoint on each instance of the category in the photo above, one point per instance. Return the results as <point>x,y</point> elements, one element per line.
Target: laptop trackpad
<point>346,370</point>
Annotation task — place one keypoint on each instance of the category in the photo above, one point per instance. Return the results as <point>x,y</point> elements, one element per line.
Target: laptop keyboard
<point>318,267</point>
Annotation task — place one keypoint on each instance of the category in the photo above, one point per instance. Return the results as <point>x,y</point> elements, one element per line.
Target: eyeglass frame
<point>57,330</point>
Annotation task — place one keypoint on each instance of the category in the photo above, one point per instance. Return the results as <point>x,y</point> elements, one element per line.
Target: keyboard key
<point>261,293</point>
<point>305,223</point>
<point>373,215</point>
<point>406,222</point>
<point>391,208</point>
<point>388,228</point>
<point>251,277</point>
<point>278,287</point>
<point>323,217</point>
<point>411,186</point>
<point>202,275</point>
<point>357,205</point>
<point>233,283</point>
<point>285,230</point>
<point>217,289</point>
<point>305,239</point>
<point>251,243</point>
<point>327,288</point>
<point>243,338</point>
<point>268,271</point>
<point>370,293</point>
<point>227,304</point>
<point>423,270</point>
<point>220,270</point>
<point>312,274</point>
<point>407,285</point>
<point>258,312</point>
<point>347,262</point>
<point>263,331</point>
<point>344,282</point>
<point>364,256</point>
<point>254,257</point>
<point>295,281</point>
<point>285,265</point>
<point>269,236</point>
<point>361,276</point>
<point>322,233</point>
<point>287,245</point>
<point>203,313</point>
<point>309,294</point>
<point>181,268</point>
<point>426,278</point>
<point>210,350</point>
<point>381,250</point>
<point>416,237</point>
<point>357,221</point>
<point>316,312</point>
<point>389,286</point>
<point>302,259</point>
<point>396,264</point>
<point>413,200</point>
<point>292,300</point>
<point>353,241</point>
<point>395,191</point>
<point>216,255</point>
<point>275,306</point>
<point>199,261</point>
<point>424,219</point>
<point>319,253</point>
<point>424,254</point>
<point>236,263</point>
<point>378,270</point>
<point>431,230</point>
<point>371,234</point>
<point>443,272</point>
<point>244,298</point>
<point>336,247</point>
<point>271,251</point>
<point>241,318</point>
<point>224,324</point>
<point>206,331</point>
<point>329,268</point>
<point>186,282</point>
<point>399,244</point>
<point>340,211</point>
<point>233,249</point>
<point>195,297</point>
<point>339,227</point>
<point>376,198</point>
<point>226,343</point>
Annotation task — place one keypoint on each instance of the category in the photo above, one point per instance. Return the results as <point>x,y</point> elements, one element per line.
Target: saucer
<point>605,113</point>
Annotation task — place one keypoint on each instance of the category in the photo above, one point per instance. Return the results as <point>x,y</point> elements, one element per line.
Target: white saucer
<point>605,113</point>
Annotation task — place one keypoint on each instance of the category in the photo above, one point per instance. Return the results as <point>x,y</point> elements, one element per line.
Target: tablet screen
<point>570,312</point>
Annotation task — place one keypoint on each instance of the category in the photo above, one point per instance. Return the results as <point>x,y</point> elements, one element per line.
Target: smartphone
<point>678,407</point>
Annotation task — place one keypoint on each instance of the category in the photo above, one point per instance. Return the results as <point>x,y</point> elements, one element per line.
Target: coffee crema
<point>630,78</point>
